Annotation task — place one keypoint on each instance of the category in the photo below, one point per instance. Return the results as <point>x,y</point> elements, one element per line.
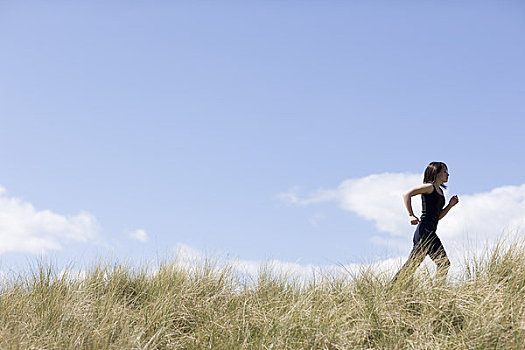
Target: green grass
<point>211,307</point>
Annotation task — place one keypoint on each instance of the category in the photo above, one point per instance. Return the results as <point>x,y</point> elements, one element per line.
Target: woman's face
<point>443,175</point>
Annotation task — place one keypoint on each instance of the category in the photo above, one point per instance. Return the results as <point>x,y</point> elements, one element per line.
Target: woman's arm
<point>453,201</point>
<point>407,199</point>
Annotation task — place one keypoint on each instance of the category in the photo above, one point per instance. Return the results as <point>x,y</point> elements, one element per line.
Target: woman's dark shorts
<point>426,242</point>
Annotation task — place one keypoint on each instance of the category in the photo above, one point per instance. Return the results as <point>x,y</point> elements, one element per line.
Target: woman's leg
<point>416,257</point>
<point>439,256</point>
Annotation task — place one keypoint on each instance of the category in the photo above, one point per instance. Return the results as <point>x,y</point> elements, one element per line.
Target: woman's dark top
<point>433,204</point>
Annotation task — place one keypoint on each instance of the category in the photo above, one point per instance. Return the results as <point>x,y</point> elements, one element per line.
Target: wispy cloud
<point>321,195</point>
<point>316,219</point>
<point>26,229</point>
<point>139,235</point>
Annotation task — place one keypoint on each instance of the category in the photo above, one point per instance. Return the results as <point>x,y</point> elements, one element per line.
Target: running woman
<point>426,242</point>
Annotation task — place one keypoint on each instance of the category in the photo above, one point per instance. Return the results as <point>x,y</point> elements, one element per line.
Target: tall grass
<point>211,307</point>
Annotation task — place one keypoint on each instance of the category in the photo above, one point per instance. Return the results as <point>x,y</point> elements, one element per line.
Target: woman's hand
<point>453,201</point>
<point>413,220</point>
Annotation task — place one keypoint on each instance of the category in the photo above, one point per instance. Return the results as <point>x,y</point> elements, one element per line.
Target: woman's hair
<point>431,172</point>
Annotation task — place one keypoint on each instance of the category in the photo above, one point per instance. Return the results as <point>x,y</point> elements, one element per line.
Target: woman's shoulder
<point>422,189</point>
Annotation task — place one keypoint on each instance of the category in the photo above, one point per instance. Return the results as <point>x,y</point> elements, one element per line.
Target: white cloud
<point>379,198</point>
<point>376,197</point>
<point>485,216</point>
<point>477,221</point>
<point>139,235</point>
<point>25,229</point>
<point>188,257</point>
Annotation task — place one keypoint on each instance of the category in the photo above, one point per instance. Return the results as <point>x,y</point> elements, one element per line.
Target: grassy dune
<point>211,307</point>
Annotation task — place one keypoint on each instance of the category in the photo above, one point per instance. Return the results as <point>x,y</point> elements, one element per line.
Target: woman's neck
<point>437,186</point>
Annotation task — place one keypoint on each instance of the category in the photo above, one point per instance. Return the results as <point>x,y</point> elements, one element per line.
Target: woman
<point>426,242</point>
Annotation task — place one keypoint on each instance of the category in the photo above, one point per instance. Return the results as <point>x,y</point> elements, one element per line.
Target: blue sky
<point>250,128</point>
